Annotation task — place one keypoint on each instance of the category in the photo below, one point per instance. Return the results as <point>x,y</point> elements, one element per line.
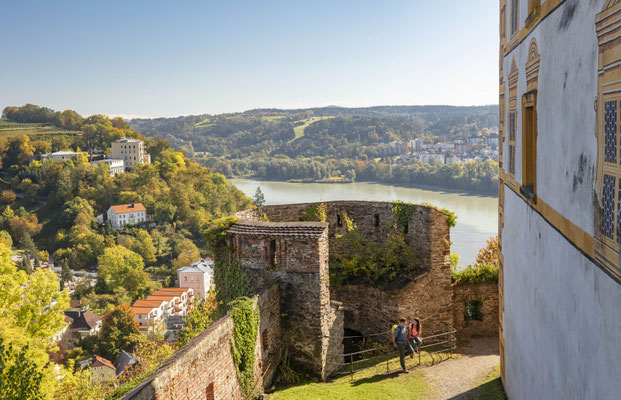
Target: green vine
<point>316,212</point>
<point>451,217</point>
<point>403,213</point>
<point>230,279</point>
<point>357,257</point>
<point>246,322</point>
<point>216,235</point>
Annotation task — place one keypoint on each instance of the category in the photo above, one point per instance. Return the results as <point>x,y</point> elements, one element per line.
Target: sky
<point>168,58</point>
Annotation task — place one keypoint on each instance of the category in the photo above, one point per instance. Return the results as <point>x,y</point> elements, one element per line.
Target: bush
<point>472,274</point>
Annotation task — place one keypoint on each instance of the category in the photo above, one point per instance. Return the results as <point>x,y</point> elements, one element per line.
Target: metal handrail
<point>389,351</point>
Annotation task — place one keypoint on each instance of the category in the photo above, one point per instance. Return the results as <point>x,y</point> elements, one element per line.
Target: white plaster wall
<point>562,316</point>
<point>567,88</point>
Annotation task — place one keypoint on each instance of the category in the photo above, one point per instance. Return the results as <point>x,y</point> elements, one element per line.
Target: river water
<point>477,216</point>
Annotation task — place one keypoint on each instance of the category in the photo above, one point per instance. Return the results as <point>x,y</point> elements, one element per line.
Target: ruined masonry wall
<point>373,220</point>
<point>488,294</point>
<point>301,266</point>
<point>269,346</point>
<point>371,309</point>
<point>204,368</point>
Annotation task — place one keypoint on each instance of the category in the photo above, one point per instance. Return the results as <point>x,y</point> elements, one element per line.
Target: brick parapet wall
<point>488,294</point>
<point>203,365</point>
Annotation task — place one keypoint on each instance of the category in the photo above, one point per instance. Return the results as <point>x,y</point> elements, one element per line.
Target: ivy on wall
<point>246,322</point>
<point>315,212</point>
<point>403,213</point>
<point>230,279</point>
<point>357,257</point>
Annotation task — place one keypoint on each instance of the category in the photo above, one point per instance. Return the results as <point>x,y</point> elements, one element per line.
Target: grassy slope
<point>299,130</point>
<point>10,129</point>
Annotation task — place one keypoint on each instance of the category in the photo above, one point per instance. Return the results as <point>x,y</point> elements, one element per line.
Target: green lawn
<point>299,130</point>
<point>378,387</point>
<point>372,383</point>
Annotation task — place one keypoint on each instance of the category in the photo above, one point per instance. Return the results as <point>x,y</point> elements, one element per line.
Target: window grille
<point>608,200</point>
<point>610,132</point>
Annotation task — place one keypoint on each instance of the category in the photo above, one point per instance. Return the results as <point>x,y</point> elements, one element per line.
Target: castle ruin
<point>288,261</point>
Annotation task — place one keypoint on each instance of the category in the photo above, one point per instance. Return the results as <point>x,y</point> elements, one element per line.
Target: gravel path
<point>451,379</point>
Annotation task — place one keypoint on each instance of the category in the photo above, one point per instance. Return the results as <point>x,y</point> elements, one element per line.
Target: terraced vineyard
<point>9,129</point>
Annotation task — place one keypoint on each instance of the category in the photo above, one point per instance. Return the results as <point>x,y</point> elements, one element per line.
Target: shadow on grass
<point>376,378</point>
<point>491,390</point>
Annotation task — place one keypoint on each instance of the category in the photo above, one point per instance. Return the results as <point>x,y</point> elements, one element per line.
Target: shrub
<point>475,274</point>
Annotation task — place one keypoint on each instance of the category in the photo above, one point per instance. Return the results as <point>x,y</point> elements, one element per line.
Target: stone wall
<point>487,293</point>
<point>371,309</point>
<point>301,266</point>
<point>373,220</point>
<point>203,368</point>
<point>269,344</point>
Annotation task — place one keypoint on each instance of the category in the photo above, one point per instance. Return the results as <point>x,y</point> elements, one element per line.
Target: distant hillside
<point>332,144</point>
<point>273,132</point>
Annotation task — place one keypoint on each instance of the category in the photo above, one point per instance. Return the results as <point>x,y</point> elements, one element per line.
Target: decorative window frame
<point>608,117</point>
<point>529,127</point>
<point>512,129</point>
<point>514,18</point>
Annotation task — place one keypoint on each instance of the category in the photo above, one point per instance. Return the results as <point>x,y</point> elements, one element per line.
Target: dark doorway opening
<point>353,341</point>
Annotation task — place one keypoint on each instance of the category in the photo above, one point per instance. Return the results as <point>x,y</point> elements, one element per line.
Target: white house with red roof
<point>126,214</point>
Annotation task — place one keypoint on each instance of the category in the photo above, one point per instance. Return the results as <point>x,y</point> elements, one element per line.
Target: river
<point>477,216</point>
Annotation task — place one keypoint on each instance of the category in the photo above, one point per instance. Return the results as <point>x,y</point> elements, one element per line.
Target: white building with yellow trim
<point>560,198</point>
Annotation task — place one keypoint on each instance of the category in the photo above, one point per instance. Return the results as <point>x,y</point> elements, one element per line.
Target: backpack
<point>392,331</point>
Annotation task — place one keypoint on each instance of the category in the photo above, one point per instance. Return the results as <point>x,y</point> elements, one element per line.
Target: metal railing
<point>444,342</point>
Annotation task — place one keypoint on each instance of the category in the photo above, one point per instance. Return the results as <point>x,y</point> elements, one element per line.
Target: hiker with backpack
<point>414,332</point>
<point>400,342</point>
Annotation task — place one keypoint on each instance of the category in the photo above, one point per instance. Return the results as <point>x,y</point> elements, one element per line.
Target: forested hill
<point>325,132</point>
<point>52,205</point>
<point>331,143</point>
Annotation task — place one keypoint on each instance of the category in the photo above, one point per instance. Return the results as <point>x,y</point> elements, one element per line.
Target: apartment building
<point>116,166</point>
<point>131,151</point>
<point>197,276</point>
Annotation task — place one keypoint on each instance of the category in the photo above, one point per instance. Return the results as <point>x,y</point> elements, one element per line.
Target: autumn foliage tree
<point>488,255</point>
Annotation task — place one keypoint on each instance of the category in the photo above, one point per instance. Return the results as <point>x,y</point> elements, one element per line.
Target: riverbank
<point>343,181</point>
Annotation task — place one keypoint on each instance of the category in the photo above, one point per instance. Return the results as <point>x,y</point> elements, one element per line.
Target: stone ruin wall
<point>371,309</point>
<point>487,293</point>
<point>373,220</point>
<point>204,368</point>
<point>311,319</point>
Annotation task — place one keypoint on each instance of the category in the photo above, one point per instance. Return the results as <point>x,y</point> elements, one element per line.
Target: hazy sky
<point>168,58</point>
